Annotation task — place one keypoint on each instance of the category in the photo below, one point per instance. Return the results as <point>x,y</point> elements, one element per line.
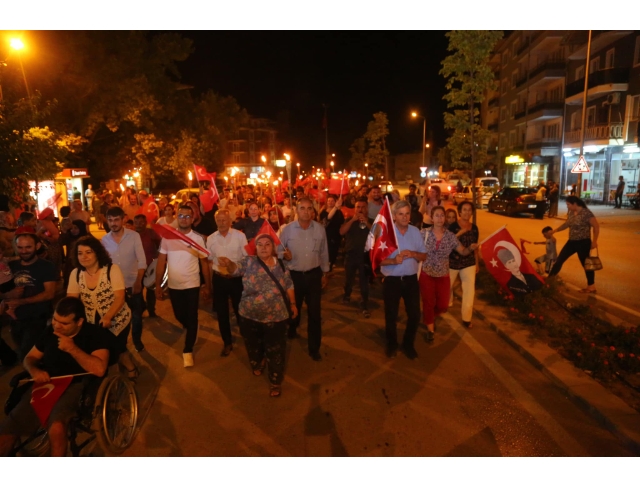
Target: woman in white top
<point>100,286</point>
<point>169,217</point>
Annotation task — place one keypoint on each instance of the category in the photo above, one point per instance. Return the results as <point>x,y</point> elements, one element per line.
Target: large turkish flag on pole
<point>45,396</point>
<point>505,262</point>
<point>382,241</point>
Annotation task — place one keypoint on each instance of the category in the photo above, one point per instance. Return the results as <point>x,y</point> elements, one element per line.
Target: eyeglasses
<point>184,217</point>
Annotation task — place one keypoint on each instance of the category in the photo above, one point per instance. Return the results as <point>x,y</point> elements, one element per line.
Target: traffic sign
<point>423,169</point>
<point>580,166</point>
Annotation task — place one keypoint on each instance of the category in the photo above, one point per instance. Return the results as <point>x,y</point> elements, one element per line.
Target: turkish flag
<point>506,264</point>
<point>167,231</point>
<point>210,197</point>
<point>339,186</point>
<point>265,228</point>
<point>382,241</point>
<point>348,212</point>
<point>203,175</point>
<point>45,396</point>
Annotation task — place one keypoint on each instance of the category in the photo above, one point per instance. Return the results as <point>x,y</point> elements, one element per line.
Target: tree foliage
<point>469,76</point>
<point>30,151</point>
<point>371,148</point>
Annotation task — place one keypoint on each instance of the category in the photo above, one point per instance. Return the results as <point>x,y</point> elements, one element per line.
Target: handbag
<point>592,262</point>
<point>285,296</point>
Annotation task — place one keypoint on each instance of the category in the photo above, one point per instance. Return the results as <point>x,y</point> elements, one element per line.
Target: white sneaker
<point>188,359</point>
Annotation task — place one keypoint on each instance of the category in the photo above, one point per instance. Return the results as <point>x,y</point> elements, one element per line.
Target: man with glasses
<point>186,267</point>
<point>307,257</point>
<point>126,251</point>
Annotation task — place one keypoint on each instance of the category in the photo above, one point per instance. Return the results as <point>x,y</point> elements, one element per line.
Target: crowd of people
<point>267,287</point>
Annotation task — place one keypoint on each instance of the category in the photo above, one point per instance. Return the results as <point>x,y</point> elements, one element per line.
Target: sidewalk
<point>598,401</point>
<point>606,214</point>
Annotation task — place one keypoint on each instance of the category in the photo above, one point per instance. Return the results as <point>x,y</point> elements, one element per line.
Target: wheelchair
<point>107,412</point>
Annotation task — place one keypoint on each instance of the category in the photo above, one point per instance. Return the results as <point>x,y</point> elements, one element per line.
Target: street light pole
<point>424,133</point>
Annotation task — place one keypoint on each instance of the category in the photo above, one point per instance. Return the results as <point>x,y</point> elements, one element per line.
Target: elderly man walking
<point>401,281</point>
<point>226,242</point>
<point>307,257</point>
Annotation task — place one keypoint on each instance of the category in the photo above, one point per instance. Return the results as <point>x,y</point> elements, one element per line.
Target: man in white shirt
<point>226,242</point>
<point>88,198</point>
<point>185,268</point>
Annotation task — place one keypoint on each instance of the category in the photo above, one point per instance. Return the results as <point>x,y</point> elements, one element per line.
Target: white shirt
<point>230,246</point>
<point>182,261</point>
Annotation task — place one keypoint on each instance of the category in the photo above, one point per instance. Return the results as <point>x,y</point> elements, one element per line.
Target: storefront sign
<point>514,160</point>
<point>80,172</point>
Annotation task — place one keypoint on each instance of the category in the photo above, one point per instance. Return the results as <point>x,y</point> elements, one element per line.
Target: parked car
<point>445,188</point>
<point>385,186</point>
<point>484,194</point>
<point>512,200</point>
<point>488,181</point>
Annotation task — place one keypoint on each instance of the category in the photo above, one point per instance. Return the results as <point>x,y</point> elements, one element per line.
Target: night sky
<point>287,76</point>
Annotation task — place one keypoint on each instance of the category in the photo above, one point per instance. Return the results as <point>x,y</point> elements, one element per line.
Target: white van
<point>488,182</point>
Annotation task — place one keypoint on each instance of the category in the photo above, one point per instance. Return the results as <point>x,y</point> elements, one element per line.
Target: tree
<point>469,76</point>
<point>30,151</point>
<point>357,150</point>
<point>375,136</point>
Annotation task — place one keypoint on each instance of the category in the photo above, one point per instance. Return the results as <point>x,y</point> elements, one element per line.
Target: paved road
<point>468,394</point>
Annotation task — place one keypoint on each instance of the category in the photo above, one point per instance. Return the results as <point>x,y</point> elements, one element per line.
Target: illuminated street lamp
<point>331,166</point>
<point>264,159</point>
<point>424,133</point>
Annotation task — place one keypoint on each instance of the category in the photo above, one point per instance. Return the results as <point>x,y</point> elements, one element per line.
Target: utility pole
<point>325,125</point>
<point>584,111</point>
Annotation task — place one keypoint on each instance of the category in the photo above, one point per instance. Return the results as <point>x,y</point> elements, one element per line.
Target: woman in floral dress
<point>265,309</point>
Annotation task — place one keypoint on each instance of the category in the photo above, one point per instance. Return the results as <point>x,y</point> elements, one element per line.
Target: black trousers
<point>136,304</point>
<point>24,334</point>
<point>266,341</point>
<point>618,200</point>
<point>150,300</point>
<point>333,246</point>
<point>356,264</point>
<point>582,247</point>
<point>185,308</point>
<point>223,289</point>
<point>308,288</point>
<point>407,288</point>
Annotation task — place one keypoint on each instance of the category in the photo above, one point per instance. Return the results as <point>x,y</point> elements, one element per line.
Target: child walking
<point>551,254</point>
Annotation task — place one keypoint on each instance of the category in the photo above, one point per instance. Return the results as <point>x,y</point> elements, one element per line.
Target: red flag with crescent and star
<point>505,262</point>
<point>167,231</point>
<point>209,197</point>
<point>382,241</point>
<point>45,396</point>
<point>265,228</point>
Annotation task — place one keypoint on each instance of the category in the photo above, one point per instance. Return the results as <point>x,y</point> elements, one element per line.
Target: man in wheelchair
<point>67,347</point>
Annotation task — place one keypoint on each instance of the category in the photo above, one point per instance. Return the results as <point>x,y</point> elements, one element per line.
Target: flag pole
<point>25,381</point>
<point>393,223</point>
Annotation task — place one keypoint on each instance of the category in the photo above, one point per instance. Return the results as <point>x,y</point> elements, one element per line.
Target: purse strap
<point>285,297</point>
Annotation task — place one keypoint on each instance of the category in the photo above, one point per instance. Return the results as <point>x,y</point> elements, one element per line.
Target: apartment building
<point>252,143</point>
<point>612,111</point>
<point>526,113</point>
<point>535,115</point>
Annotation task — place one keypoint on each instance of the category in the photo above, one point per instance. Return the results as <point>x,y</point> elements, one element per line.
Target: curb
<point>584,391</point>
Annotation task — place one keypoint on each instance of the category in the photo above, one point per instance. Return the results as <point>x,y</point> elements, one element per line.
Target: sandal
<point>275,390</point>
<point>260,368</point>
<point>132,374</point>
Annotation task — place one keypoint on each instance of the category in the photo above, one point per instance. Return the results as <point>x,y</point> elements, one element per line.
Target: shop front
<point>523,173</point>
<point>73,181</point>
<point>60,191</point>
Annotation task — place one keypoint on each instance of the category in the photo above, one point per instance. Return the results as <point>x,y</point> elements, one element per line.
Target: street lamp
<point>331,166</point>
<point>424,133</point>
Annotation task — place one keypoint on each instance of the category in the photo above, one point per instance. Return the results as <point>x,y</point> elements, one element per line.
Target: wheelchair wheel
<point>117,410</point>
<point>37,446</point>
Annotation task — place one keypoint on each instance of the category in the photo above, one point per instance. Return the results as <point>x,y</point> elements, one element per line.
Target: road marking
<point>565,441</point>
<point>608,301</point>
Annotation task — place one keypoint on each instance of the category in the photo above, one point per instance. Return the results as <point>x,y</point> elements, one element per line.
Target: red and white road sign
<point>580,166</point>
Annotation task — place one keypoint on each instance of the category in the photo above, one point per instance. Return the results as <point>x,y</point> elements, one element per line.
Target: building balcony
<point>603,133</point>
<point>494,102</point>
<point>545,142</point>
<point>524,46</point>
<point>522,79</point>
<point>493,127</point>
<point>600,83</point>
<point>521,113</point>
<point>545,110</point>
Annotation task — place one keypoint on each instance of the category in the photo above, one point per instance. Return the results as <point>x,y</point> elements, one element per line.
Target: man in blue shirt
<point>126,251</point>
<point>307,258</point>
<point>401,281</point>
